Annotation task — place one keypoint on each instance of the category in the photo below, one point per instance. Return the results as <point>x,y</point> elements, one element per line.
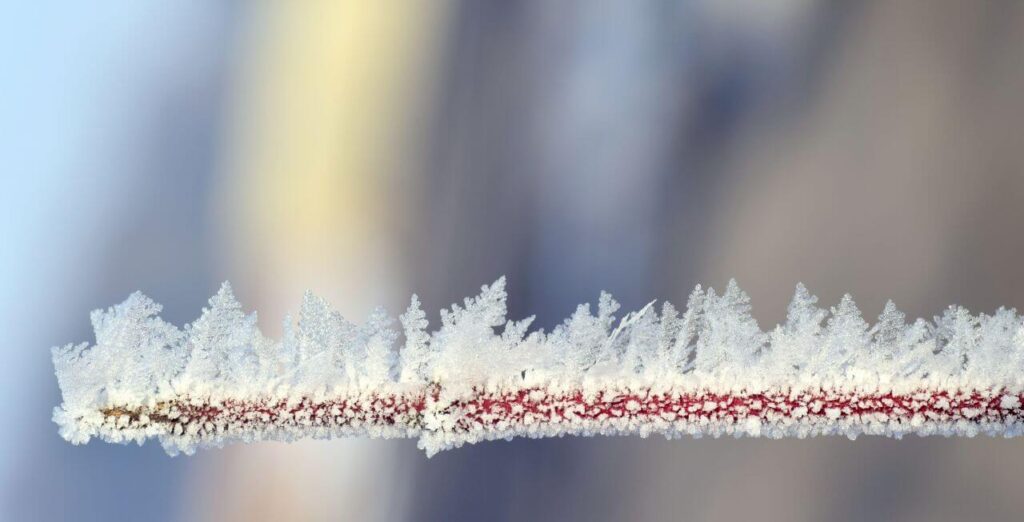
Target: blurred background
<point>368,150</point>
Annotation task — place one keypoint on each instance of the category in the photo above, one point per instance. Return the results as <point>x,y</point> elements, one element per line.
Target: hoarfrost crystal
<point>709,370</point>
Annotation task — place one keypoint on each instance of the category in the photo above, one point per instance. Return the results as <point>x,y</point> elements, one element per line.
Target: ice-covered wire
<point>708,371</point>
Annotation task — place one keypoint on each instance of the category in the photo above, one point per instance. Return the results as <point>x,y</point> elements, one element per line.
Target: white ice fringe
<point>707,371</point>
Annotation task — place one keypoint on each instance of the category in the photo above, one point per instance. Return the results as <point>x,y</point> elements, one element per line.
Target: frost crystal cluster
<point>708,370</point>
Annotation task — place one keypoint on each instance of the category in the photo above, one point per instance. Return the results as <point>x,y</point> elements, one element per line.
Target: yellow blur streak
<point>323,132</point>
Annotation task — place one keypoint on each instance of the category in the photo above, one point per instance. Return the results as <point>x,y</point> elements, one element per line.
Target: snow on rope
<point>709,371</point>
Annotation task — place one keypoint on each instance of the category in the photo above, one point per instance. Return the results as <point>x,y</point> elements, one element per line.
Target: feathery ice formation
<point>709,371</point>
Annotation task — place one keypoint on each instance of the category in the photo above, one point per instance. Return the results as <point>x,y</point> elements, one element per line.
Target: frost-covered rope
<point>707,371</point>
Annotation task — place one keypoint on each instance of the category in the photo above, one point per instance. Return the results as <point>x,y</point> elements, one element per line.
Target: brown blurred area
<point>370,150</point>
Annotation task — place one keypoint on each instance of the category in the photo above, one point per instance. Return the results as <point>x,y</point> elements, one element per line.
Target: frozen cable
<point>709,371</point>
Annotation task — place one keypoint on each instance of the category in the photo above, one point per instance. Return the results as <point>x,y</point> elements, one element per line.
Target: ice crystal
<point>706,370</point>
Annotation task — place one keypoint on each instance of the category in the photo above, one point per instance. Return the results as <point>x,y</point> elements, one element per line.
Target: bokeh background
<point>367,150</point>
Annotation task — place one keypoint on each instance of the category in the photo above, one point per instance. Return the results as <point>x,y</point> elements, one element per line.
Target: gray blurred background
<point>367,150</point>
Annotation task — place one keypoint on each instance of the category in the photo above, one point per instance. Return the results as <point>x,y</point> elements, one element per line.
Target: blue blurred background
<point>367,150</point>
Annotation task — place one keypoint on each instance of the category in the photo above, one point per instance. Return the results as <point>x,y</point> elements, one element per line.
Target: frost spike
<point>731,340</point>
<point>845,338</point>
<point>414,355</point>
<point>670,353</point>
<point>690,330</point>
<point>888,331</point>
<point>380,356</point>
<point>957,336</point>
<point>216,337</point>
<point>796,343</point>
